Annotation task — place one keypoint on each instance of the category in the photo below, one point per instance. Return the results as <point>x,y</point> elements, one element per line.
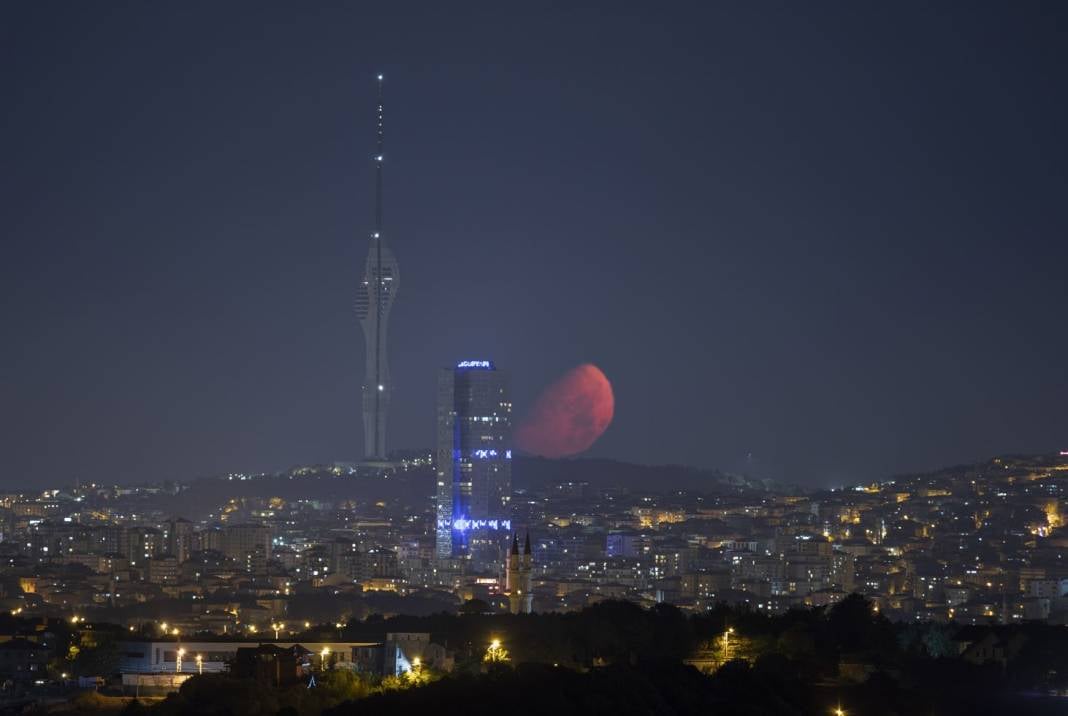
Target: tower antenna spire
<point>378,383</point>
<point>379,157</point>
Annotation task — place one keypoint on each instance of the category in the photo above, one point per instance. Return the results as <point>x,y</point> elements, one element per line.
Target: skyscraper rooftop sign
<point>482,364</point>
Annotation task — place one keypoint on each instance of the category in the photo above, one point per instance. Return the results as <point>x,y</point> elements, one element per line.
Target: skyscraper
<point>374,298</point>
<point>474,459</point>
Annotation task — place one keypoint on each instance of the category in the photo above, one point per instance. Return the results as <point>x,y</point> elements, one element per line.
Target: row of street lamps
<point>276,626</point>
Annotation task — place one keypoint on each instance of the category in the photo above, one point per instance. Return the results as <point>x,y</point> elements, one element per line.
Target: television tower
<point>374,298</point>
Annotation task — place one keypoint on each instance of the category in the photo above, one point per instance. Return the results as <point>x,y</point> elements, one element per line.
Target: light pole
<point>178,661</point>
<point>727,644</point>
<point>200,665</point>
<point>324,654</point>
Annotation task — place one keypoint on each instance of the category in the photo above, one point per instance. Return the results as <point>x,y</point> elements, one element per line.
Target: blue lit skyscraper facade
<point>473,460</point>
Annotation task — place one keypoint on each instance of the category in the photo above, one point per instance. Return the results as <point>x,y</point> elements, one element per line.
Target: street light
<point>178,661</point>
<point>324,654</point>
<point>200,664</point>
<point>496,653</point>
<point>839,711</point>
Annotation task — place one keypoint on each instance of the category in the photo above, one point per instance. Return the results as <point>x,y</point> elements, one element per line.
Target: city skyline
<point>849,245</point>
<point>727,376</point>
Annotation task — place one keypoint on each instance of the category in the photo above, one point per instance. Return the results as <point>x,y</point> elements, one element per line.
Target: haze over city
<point>812,243</point>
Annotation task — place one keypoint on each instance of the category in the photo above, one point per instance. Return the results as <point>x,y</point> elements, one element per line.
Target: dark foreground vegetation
<point>616,658</point>
<point>770,686</point>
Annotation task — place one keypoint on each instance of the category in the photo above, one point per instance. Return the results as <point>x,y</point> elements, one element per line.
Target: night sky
<point>824,241</point>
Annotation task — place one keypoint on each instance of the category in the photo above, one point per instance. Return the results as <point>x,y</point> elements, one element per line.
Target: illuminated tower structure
<point>374,298</point>
<point>520,596</point>
<point>473,462</point>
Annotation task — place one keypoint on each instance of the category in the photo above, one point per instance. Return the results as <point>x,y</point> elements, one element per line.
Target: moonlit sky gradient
<point>824,242</point>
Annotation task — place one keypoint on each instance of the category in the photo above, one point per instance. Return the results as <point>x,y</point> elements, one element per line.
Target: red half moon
<point>569,415</point>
